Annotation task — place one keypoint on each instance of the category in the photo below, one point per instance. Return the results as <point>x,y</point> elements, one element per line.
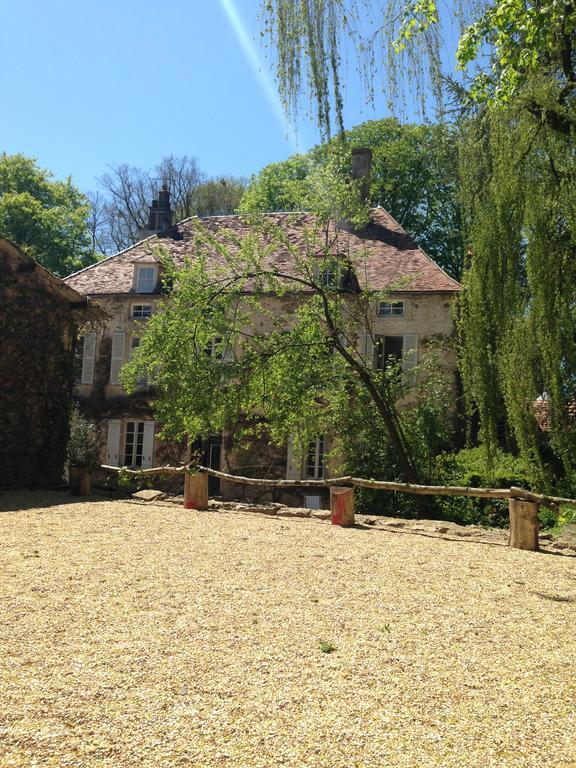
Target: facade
<point>39,315</point>
<point>128,287</point>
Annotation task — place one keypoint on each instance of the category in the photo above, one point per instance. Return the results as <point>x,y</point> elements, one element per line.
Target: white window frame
<point>117,356</point>
<point>145,313</point>
<point>316,450</point>
<point>391,309</point>
<point>150,285</point>
<point>145,429</point>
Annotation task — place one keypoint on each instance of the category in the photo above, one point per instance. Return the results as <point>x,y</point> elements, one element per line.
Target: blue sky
<point>89,83</point>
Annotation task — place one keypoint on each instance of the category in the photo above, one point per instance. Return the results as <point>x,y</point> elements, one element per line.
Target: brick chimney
<point>361,165</point>
<point>160,215</point>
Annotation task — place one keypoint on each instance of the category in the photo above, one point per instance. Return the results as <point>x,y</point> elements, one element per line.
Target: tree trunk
<point>524,525</point>
<point>196,490</point>
<point>342,505</point>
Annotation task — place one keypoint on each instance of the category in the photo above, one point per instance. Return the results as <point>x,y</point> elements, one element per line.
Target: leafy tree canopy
<point>414,176</point>
<point>46,218</point>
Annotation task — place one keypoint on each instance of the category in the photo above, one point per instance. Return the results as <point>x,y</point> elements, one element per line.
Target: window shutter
<point>292,463</point>
<point>367,348</point>
<point>148,444</point>
<point>113,443</point>
<point>410,351</point>
<point>88,358</point>
<point>117,361</point>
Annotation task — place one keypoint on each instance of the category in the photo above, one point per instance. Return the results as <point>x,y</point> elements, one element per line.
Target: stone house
<point>39,315</point>
<point>128,286</point>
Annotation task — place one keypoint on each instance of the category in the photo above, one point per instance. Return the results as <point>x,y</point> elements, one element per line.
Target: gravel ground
<point>148,635</point>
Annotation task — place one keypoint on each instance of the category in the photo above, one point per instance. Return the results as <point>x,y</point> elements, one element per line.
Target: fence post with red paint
<point>342,505</point>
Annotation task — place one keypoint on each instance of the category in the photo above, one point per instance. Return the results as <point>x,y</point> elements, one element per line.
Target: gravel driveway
<point>149,635</point>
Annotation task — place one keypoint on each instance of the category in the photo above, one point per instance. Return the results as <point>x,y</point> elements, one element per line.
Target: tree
<point>509,50</point>
<point>516,97</point>
<point>129,191</point>
<point>46,218</point>
<point>219,196</point>
<point>215,368</point>
<point>414,176</point>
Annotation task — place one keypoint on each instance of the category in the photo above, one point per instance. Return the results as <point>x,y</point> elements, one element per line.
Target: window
<point>136,449</point>
<point>328,272</point>
<point>314,462</point>
<point>330,277</point>
<point>145,279</point>
<point>388,351</point>
<point>140,311</point>
<point>387,308</point>
<point>134,444</point>
<point>214,348</point>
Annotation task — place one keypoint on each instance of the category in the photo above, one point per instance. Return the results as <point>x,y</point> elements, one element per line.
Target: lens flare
<point>262,74</point>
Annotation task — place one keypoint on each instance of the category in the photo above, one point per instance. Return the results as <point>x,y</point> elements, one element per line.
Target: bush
<point>83,448</point>
<point>467,468</point>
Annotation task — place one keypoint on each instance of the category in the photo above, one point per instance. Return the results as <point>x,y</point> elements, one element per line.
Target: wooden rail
<point>551,502</point>
<point>522,504</point>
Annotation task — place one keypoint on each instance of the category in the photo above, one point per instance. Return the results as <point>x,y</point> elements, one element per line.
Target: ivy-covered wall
<point>36,330</point>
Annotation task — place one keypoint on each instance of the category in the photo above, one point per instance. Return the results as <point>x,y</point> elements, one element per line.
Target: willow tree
<point>514,82</point>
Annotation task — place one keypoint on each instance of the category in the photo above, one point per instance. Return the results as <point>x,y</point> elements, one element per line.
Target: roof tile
<point>383,254</point>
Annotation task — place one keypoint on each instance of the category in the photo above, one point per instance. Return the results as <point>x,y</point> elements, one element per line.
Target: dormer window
<point>145,278</point>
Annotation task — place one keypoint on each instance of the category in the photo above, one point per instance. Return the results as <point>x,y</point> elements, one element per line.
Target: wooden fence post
<point>196,490</point>
<point>524,524</point>
<point>342,505</point>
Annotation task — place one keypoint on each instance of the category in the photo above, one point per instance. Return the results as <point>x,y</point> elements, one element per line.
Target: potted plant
<point>83,453</point>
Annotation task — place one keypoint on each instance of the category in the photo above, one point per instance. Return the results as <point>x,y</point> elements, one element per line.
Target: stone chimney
<point>361,165</point>
<point>160,215</point>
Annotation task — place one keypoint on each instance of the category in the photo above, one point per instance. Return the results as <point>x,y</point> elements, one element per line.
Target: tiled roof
<point>384,256</point>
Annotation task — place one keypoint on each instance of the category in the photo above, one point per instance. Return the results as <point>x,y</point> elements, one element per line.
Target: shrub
<point>83,446</point>
<point>467,468</point>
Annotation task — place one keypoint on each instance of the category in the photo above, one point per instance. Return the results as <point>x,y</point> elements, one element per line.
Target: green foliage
<point>504,49</point>
<point>526,40</point>
<point>426,421</point>
<point>46,218</point>
<point>83,447</point>
<point>217,196</point>
<point>310,41</point>
<point>327,647</point>
<point>414,176</point>
<point>468,468</point>
<point>517,320</point>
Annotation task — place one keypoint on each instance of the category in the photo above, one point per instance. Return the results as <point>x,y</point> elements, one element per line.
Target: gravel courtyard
<point>148,635</point>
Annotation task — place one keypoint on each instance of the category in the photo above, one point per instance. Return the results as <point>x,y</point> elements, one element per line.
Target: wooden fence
<point>522,504</point>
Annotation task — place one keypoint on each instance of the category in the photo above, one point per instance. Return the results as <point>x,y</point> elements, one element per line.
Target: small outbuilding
<point>39,316</point>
